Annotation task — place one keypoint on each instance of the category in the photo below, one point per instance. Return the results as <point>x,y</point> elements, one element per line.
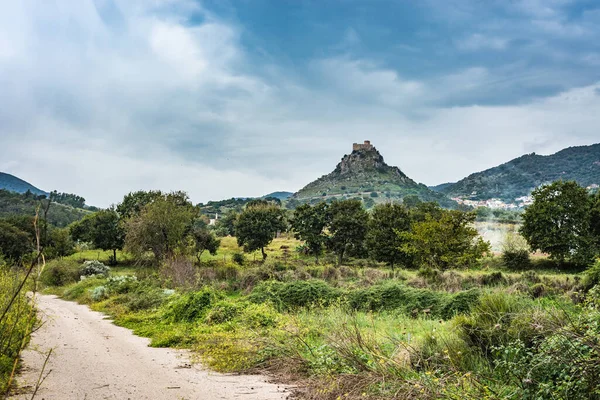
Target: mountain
<point>520,176</point>
<point>13,184</point>
<point>364,174</point>
<point>279,195</point>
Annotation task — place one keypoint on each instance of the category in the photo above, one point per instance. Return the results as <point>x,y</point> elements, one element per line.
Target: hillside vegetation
<point>520,176</point>
<point>15,204</point>
<point>364,175</point>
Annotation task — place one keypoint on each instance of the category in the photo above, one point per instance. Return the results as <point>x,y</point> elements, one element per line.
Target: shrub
<point>60,273</point>
<point>94,267</point>
<point>411,301</point>
<point>99,293</point>
<point>191,306</point>
<point>296,294</point>
<point>120,284</point>
<point>259,316</point>
<point>238,258</point>
<point>516,259</point>
<point>146,298</point>
<point>491,279</point>
<point>500,318</point>
<point>223,311</point>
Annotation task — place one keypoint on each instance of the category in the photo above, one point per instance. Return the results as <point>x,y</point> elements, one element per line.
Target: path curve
<point>94,359</point>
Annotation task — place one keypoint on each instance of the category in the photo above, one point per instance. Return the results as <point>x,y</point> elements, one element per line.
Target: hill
<point>364,174</point>
<point>13,184</point>
<point>278,195</point>
<point>520,176</point>
<point>17,204</point>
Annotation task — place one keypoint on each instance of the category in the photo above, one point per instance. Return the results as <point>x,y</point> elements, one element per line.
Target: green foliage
<point>60,272</point>
<point>383,241</point>
<point>16,324</point>
<point>411,301</point>
<point>59,244</point>
<point>161,226</point>
<point>445,242</point>
<point>14,243</point>
<point>309,224</point>
<point>515,252</point>
<point>258,225</point>
<point>68,199</point>
<point>134,202</point>
<point>59,215</point>
<point>558,223</point>
<point>239,258</point>
<point>520,176</point>
<point>348,224</point>
<point>296,294</point>
<point>103,228</point>
<point>204,240</point>
<point>191,306</point>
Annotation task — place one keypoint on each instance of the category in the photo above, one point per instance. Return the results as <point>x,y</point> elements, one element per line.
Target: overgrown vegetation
<point>405,301</point>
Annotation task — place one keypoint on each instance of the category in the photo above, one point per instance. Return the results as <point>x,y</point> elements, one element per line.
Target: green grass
<point>356,331</point>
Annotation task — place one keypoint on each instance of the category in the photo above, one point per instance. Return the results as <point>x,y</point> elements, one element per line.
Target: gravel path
<point>95,359</point>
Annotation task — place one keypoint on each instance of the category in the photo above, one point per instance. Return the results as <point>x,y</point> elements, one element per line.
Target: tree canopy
<point>258,225</point>
<point>559,222</point>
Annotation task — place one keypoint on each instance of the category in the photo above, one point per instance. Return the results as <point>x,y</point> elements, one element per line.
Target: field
<point>360,330</point>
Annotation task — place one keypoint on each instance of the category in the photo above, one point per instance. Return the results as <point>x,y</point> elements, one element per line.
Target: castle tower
<point>365,146</point>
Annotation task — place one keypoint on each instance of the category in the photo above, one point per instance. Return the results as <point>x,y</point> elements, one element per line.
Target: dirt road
<point>94,359</point>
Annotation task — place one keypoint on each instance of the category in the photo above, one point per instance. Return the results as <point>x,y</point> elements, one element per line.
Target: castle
<point>365,146</point>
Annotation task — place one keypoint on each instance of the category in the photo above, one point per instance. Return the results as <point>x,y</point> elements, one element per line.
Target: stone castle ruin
<point>365,146</point>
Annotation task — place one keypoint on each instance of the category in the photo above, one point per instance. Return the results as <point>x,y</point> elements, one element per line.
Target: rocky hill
<point>520,176</point>
<point>364,174</point>
<point>13,184</point>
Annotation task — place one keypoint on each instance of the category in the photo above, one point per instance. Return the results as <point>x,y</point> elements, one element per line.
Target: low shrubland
<point>365,331</point>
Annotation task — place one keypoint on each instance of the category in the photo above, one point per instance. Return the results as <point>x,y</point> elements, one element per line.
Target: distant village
<point>519,203</point>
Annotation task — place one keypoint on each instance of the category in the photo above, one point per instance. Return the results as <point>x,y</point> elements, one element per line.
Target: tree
<point>134,202</point>
<point>347,227</point>
<point>383,241</point>
<point>558,222</point>
<point>14,243</point>
<point>225,226</point>
<point>258,225</point>
<point>411,201</point>
<point>103,229</point>
<point>595,219</point>
<point>204,240</point>
<point>60,243</point>
<point>309,224</point>
<point>446,241</point>
<point>162,226</point>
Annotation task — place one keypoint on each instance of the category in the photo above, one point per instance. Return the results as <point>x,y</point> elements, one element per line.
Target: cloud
<point>477,41</point>
<point>101,98</point>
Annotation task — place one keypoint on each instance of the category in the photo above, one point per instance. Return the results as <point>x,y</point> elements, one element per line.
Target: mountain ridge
<point>14,184</point>
<point>519,176</point>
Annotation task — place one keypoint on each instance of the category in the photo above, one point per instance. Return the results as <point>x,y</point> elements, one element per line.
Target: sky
<point>235,98</point>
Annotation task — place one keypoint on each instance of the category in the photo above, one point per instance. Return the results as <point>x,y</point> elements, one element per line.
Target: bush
<point>94,267</point>
<point>492,279</point>
<point>223,311</point>
<point>191,306</point>
<point>238,258</point>
<point>60,273</point>
<point>501,318</point>
<point>517,259</point>
<point>411,301</point>
<point>99,293</point>
<point>121,284</point>
<point>296,294</point>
